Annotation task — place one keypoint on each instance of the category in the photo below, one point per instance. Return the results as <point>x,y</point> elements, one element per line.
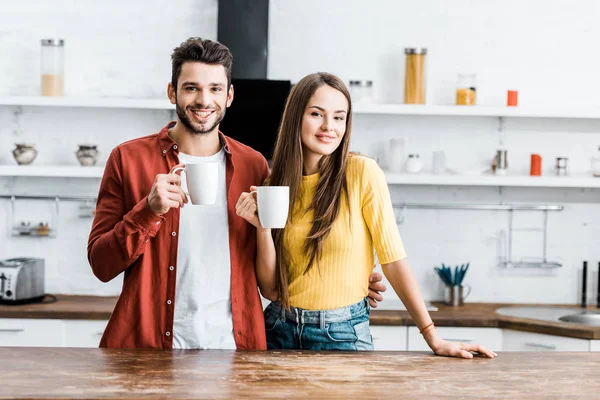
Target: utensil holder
<point>455,296</point>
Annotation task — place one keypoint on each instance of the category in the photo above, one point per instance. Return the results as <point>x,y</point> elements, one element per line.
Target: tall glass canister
<point>52,67</point>
<point>414,75</point>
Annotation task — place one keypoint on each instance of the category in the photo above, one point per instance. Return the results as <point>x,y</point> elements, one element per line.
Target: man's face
<point>202,96</point>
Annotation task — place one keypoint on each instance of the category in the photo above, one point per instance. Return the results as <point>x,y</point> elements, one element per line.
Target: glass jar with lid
<point>52,67</point>
<point>414,75</point>
<point>361,91</point>
<point>466,92</point>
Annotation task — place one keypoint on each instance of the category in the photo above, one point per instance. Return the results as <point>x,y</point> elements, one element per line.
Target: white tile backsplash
<point>132,59</point>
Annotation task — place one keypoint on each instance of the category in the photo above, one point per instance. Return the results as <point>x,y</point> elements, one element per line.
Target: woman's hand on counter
<point>443,347</point>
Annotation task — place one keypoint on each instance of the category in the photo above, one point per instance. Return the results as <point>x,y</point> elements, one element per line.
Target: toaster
<point>21,280</point>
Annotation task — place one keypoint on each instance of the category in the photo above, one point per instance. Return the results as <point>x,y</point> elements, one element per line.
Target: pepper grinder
<point>584,286</point>
<point>598,295</point>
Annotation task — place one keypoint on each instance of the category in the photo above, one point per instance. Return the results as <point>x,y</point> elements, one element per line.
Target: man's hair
<point>206,51</point>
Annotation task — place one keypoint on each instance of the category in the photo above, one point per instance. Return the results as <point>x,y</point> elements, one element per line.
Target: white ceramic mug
<point>273,205</point>
<point>202,181</point>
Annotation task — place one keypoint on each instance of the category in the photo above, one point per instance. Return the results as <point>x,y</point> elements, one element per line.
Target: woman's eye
<point>339,118</point>
<point>316,114</point>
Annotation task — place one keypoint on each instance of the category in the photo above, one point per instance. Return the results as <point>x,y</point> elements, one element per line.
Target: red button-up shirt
<point>128,237</point>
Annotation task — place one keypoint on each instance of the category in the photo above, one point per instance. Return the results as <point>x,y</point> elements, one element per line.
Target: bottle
<point>536,165</point>
<point>52,67</point>
<point>466,92</point>
<point>361,91</point>
<point>414,76</point>
<point>414,164</point>
<point>596,164</point>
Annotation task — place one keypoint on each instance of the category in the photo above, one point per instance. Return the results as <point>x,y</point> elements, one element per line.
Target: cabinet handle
<point>458,340</point>
<point>541,345</point>
<point>98,333</point>
<point>12,330</point>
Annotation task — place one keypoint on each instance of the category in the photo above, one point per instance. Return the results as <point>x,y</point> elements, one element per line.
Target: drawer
<point>83,333</point>
<point>529,341</point>
<point>488,337</point>
<point>31,332</point>
<point>389,338</point>
<point>594,345</point>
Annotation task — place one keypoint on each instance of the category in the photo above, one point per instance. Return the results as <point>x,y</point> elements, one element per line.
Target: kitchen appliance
<point>21,280</point>
<point>254,97</point>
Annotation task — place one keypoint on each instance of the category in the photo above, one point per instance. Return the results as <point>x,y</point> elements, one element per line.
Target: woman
<point>316,270</point>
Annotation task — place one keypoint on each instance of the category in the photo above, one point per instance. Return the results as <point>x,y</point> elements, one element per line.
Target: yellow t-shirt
<point>341,277</point>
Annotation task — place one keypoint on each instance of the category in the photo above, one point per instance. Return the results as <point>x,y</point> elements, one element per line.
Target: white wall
<point>545,49</point>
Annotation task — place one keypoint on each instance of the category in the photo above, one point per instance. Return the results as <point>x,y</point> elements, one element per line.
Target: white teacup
<point>273,205</point>
<point>202,181</point>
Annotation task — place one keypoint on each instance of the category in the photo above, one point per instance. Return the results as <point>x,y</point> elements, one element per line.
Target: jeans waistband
<point>302,316</point>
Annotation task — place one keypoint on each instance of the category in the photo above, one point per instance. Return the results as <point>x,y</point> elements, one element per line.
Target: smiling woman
<point>316,270</point>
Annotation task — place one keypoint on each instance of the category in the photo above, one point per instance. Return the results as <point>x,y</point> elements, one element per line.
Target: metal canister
<point>562,166</point>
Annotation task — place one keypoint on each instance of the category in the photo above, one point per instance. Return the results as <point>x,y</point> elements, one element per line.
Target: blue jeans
<point>345,328</point>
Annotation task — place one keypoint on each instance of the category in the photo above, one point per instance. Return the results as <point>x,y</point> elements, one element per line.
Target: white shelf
<point>423,179</point>
<point>476,111</point>
<point>51,171</point>
<point>587,181</point>
<point>91,102</point>
<point>391,109</point>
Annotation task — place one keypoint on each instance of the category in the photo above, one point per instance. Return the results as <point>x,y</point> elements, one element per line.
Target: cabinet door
<point>83,333</point>
<point>594,345</point>
<point>529,341</point>
<point>488,337</point>
<point>31,332</point>
<point>389,338</point>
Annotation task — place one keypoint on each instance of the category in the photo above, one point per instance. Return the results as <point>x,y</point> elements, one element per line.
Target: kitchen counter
<point>61,373</point>
<point>470,315</point>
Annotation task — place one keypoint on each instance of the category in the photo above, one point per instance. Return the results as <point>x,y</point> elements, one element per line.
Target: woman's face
<point>324,122</point>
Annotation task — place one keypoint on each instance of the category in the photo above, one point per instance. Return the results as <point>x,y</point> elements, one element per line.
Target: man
<point>189,271</point>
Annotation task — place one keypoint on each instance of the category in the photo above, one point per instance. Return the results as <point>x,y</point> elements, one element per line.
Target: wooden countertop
<point>61,373</point>
<point>484,315</point>
<point>470,315</point>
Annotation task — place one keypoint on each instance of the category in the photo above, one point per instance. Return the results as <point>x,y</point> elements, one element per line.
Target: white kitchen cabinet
<point>488,337</point>
<point>31,332</point>
<point>529,341</point>
<point>594,345</point>
<point>83,333</point>
<point>389,338</point>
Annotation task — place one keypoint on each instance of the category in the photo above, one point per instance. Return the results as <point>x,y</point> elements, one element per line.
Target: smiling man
<point>189,271</point>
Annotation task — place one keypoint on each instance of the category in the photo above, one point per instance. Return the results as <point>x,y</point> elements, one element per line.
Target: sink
<point>553,314</point>
<point>586,318</point>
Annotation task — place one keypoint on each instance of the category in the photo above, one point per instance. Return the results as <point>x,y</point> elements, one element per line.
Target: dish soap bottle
<point>596,164</point>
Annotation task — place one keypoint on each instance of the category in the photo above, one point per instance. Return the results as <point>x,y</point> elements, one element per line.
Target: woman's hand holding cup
<point>247,207</point>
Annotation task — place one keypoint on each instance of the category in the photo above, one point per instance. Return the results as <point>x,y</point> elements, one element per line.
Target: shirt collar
<point>166,143</point>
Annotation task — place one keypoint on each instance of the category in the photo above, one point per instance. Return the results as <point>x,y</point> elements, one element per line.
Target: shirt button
<point>175,147</point>
<point>168,333</point>
<point>171,268</point>
<point>168,301</point>
<point>239,332</point>
<point>157,222</point>
<point>164,152</point>
<point>173,233</point>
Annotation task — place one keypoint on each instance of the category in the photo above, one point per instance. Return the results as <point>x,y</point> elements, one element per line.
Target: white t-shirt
<point>202,295</point>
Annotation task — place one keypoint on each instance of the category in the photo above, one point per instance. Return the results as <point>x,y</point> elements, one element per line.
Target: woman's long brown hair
<point>287,167</point>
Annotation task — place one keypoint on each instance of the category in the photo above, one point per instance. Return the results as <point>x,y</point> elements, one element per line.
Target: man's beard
<point>185,120</point>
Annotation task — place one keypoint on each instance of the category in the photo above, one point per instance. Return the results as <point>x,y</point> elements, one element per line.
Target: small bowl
<point>87,155</point>
<point>24,153</point>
